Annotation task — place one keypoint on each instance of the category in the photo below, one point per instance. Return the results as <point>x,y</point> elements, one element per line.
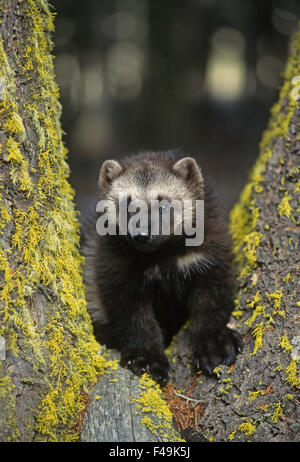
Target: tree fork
<point>48,355</point>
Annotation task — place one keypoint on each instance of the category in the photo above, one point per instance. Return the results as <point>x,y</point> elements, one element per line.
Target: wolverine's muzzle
<point>146,242</point>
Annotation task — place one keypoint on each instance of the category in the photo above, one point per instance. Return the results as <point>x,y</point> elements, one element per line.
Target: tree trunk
<point>256,399</point>
<point>47,350</point>
<point>125,408</point>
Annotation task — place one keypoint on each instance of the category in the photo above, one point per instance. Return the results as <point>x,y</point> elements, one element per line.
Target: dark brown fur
<point>138,300</point>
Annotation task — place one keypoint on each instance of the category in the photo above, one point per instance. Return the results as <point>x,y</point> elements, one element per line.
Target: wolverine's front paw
<point>221,349</point>
<point>155,365</point>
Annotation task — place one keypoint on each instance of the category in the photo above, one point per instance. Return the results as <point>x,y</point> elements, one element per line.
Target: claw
<point>222,349</point>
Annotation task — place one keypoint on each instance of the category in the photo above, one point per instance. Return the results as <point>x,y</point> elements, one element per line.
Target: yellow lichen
<point>14,154</point>
<point>287,278</point>
<point>247,228</point>
<point>292,376</point>
<point>258,335</point>
<point>151,401</point>
<point>7,406</point>
<point>247,428</point>
<point>259,310</point>
<point>244,215</point>
<point>237,314</point>
<point>5,216</point>
<point>276,297</point>
<point>243,219</point>
<point>255,300</point>
<point>284,208</point>
<point>255,394</point>
<point>15,126</point>
<point>284,343</point>
<point>277,412</point>
<point>217,371</point>
<point>232,435</point>
<point>228,387</point>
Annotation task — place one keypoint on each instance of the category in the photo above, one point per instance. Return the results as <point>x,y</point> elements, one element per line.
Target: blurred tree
<point>147,74</point>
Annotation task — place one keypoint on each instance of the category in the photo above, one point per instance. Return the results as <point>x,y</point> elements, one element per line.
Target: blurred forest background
<point>198,75</point>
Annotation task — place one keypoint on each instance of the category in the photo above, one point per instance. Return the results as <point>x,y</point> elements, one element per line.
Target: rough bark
<point>48,352</point>
<point>124,408</point>
<point>258,398</point>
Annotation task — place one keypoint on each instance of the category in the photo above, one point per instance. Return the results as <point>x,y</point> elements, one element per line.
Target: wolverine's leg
<point>140,342</point>
<point>212,342</point>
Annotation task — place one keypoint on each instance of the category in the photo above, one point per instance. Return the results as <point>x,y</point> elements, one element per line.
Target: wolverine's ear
<point>188,169</point>
<point>110,170</point>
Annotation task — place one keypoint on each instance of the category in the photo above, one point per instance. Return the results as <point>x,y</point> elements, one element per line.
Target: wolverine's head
<point>150,195</point>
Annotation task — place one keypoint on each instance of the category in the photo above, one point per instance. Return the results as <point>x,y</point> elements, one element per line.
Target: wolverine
<point>143,286</point>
